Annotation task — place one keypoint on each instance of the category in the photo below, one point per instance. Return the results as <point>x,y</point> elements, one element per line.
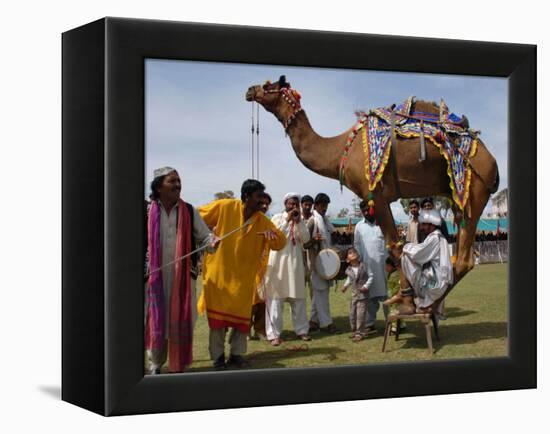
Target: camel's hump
<point>425,106</point>
<point>417,106</point>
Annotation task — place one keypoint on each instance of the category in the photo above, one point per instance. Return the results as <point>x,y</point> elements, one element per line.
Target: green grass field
<point>476,327</point>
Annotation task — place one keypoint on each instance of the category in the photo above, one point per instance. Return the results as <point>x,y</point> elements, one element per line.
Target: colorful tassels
<point>370,203</point>
<point>351,137</point>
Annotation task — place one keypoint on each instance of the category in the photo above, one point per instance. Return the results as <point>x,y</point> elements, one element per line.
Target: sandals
<point>276,342</point>
<point>313,326</point>
<point>331,329</point>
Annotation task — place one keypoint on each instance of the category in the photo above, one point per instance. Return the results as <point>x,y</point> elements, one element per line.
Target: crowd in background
<point>346,238</point>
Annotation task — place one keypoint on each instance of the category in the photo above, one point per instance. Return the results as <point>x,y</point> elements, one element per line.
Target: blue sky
<point>197,120</point>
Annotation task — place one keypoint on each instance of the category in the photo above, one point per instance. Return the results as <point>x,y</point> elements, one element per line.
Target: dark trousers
<point>257,321</point>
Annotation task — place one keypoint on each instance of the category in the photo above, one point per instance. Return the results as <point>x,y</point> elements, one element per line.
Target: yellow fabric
<point>229,274</point>
<point>260,276</point>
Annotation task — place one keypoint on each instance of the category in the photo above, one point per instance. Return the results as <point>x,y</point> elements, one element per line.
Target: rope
<point>252,147</point>
<point>246,223</point>
<point>258,141</point>
<point>257,130</point>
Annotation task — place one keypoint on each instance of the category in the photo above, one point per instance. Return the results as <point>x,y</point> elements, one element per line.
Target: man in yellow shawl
<point>229,275</point>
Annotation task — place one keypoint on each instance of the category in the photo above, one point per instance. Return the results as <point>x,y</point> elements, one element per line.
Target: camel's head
<point>278,98</point>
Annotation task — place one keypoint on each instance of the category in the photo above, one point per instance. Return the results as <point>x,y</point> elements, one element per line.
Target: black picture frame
<point>103,218</point>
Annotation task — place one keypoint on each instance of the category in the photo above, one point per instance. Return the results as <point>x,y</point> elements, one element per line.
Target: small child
<point>360,279</point>
<point>393,288</point>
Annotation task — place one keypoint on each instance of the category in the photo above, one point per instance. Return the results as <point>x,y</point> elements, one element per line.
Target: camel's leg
<point>479,195</point>
<point>403,282</point>
<point>384,217</point>
<point>457,213</point>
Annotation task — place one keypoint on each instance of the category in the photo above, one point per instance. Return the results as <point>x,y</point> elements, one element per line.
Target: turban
<point>163,171</point>
<point>430,216</point>
<point>291,195</point>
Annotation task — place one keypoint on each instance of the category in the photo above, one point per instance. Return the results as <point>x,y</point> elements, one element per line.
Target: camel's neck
<point>320,154</point>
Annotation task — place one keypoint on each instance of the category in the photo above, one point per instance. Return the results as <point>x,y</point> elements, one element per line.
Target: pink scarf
<point>180,327</point>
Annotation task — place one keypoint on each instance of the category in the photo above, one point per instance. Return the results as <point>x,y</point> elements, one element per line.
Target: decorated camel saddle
<point>450,133</point>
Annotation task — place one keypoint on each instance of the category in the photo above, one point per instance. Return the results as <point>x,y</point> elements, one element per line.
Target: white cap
<point>163,171</point>
<point>291,195</point>
<point>430,216</point>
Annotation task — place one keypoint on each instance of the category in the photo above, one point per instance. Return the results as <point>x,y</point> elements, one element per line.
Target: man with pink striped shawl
<point>174,229</point>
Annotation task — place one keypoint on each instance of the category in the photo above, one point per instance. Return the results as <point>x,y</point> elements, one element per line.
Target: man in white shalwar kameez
<point>370,243</point>
<point>320,229</point>
<point>285,274</point>
<point>427,265</point>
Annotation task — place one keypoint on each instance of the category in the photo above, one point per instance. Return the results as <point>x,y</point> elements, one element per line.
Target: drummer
<point>320,229</point>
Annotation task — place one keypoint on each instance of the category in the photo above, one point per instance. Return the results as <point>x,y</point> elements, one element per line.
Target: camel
<point>404,177</point>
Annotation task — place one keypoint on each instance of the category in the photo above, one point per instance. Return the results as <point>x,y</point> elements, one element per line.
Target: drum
<point>327,264</point>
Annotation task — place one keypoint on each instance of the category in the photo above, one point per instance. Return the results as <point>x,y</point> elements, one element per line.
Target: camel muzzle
<point>250,93</point>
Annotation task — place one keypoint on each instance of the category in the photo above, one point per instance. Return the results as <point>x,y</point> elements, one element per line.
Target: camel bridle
<point>292,98</point>
<point>289,96</point>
